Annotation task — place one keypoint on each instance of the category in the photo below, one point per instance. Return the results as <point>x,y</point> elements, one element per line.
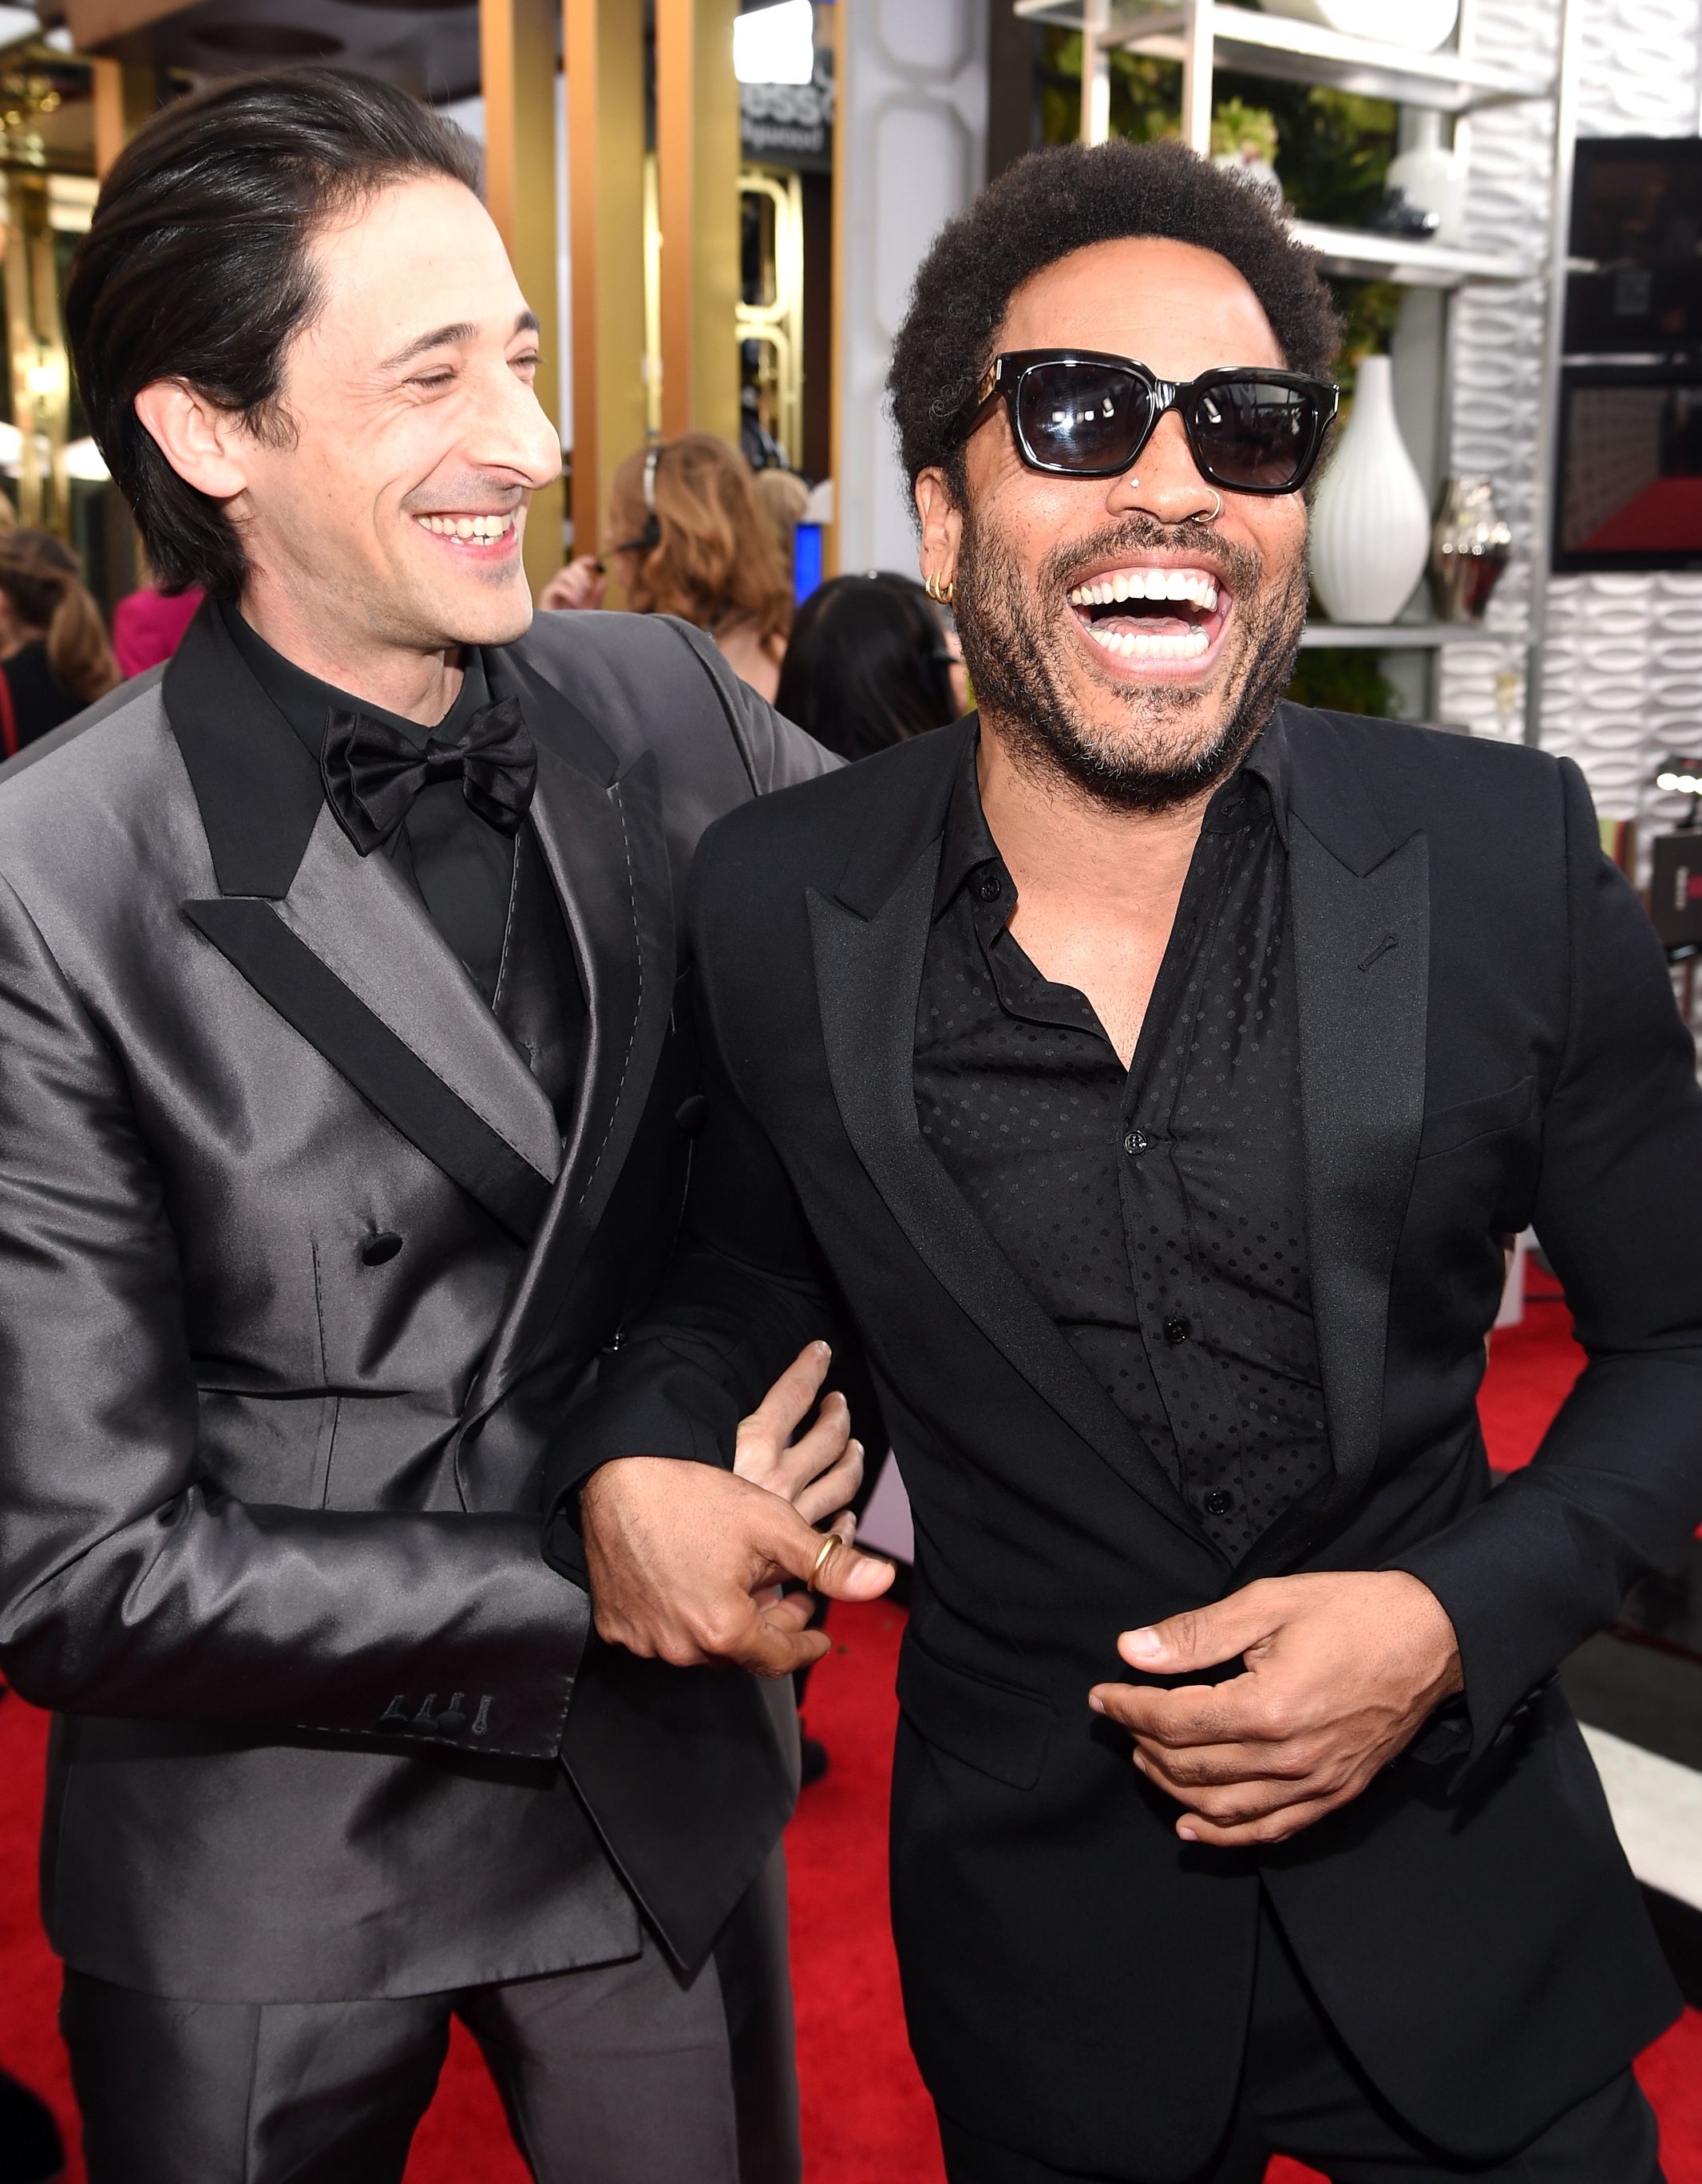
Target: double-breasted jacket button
<point>380,1249</point>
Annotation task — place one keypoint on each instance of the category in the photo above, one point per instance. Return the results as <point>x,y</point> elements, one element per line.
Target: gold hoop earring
<point>941,589</point>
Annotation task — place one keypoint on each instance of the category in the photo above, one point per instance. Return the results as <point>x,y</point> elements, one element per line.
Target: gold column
<point>124,98</point>
<point>35,341</point>
<point>517,75</point>
<point>606,162</point>
<point>697,154</point>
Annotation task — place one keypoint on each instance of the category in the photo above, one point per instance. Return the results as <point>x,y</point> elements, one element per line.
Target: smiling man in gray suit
<point>342,1123</point>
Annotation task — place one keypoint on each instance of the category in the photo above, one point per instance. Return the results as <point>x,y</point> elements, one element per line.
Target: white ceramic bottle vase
<point>1370,520</point>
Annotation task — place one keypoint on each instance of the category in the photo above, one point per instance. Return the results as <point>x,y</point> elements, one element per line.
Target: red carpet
<point>866,2119</point>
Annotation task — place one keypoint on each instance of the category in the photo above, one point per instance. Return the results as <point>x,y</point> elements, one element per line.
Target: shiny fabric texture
<point>275,1390</point>
<point>372,773</point>
<point>627,2073</point>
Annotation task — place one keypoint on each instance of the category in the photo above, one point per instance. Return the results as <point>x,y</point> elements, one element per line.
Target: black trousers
<point>1302,2094</point>
<point>618,2073</point>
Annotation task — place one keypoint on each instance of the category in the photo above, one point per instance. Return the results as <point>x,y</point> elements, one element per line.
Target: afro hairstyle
<point>1061,200</point>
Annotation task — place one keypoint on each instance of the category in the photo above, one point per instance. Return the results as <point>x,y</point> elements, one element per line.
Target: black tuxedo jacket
<point>297,1272</point>
<point>1488,1040</point>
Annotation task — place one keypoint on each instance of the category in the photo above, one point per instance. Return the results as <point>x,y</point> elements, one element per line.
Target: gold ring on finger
<point>824,1555</point>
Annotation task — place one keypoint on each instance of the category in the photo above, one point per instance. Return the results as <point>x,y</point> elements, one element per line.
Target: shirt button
<point>987,887</point>
<point>378,1250</point>
<point>1219,1502</point>
<point>1137,1143</point>
<point>1176,1329</point>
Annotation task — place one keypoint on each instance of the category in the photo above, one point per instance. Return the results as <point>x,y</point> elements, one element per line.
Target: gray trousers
<point>619,2074</point>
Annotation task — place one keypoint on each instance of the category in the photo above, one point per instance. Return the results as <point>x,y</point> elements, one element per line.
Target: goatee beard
<point>1011,644</point>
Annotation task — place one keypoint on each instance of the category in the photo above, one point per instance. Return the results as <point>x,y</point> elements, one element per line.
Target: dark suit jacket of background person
<point>1487,1039</point>
<point>297,1275</point>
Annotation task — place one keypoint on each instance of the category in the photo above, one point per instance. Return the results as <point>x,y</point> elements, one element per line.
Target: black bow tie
<point>372,771</point>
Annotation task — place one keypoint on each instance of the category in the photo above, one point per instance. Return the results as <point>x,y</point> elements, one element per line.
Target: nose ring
<point>1218,511</point>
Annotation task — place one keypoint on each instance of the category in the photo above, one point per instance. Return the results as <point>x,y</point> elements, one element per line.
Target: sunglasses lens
<point>1087,417</point>
<point>1256,436</point>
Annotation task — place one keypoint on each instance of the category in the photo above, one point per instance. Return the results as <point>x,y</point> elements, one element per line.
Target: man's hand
<point>684,1559</point>
<point>1342,1672</point>
<point>820,1472</point>
<point>582,583</point>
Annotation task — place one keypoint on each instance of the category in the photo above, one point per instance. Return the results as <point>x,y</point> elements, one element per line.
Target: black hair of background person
<point>1040,210</point>
<point>866,665</point>
<point>235,224</point>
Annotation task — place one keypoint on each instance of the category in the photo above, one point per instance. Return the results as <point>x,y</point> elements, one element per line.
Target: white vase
<point>1422,24</point>
<point>1370,519</point>
<point>1432,177</point>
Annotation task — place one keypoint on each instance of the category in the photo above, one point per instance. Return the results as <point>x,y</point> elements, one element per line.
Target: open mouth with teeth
<point>471,533</point>
<point>1145,615</point>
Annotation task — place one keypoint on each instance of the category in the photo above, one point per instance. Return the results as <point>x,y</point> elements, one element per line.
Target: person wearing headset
<point>694,543</point>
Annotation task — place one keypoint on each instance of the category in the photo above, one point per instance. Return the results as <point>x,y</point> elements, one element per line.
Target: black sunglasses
<point>1077,413</point>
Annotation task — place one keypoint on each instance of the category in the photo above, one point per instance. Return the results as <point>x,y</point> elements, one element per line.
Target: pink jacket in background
<point>148,626</point>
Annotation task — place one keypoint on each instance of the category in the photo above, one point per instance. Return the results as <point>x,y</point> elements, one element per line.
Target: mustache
<point>1135,536</point>
<point>473,488</point>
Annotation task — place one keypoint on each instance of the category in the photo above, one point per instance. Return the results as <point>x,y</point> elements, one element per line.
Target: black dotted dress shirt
<point>1156,1213</point>
<point>488,894</point>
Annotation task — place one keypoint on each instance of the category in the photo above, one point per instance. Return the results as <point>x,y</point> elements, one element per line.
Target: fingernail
<point>1139,1763</point>
<point>822,1349</point>
<point>1097,1705</point>
<point>1187,1835</point>
<point>1143,1645</point>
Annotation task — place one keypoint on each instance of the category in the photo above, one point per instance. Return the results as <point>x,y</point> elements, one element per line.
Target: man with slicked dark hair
<point>342,1123</point>
<point>1150,1073</point>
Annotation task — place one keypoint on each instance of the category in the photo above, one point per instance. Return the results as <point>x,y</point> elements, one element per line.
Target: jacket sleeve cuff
<point>1514,1622</point>
<point>504,1695</point>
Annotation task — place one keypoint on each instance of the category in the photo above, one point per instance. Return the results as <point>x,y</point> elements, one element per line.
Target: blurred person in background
<point>783,497</point>
<point>694,543</point>
<point>54,656</point>
<point>868,665</point>
<point>148,625</point>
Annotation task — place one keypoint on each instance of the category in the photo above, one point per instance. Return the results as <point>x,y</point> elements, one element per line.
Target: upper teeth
<point>467,526</point>
<point>1195,585</point>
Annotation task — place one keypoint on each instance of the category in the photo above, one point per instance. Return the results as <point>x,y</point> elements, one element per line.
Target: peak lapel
<point>601,832</point>
<point>366,925</point>
<point>1360,904</point>
<point>869,961</point>
<point>342,949</point>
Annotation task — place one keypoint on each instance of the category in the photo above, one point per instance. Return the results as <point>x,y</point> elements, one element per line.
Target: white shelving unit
<point>1206,35</point>
<point>1408,635</point>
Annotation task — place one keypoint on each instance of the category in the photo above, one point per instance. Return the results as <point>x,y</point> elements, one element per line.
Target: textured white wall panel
<point>911,124</point>
<point>1622,681</point>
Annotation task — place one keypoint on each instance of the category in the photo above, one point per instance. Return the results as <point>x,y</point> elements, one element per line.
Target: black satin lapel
<point>607,856</point>
<point>1362,954</point>
<point>387,1074</point>
<point>868,975</point>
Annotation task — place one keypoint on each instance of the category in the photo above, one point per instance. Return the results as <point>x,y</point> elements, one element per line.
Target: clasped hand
<point>686,1561</point>
<point>1341,1668</point>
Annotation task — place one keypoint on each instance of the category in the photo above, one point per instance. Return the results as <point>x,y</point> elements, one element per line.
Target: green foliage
<point>1333,147</point>
<point>1240,128</point>
<point>1344,679</point>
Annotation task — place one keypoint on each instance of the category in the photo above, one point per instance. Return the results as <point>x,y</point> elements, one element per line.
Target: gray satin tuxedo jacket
<point>299,1274</point>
